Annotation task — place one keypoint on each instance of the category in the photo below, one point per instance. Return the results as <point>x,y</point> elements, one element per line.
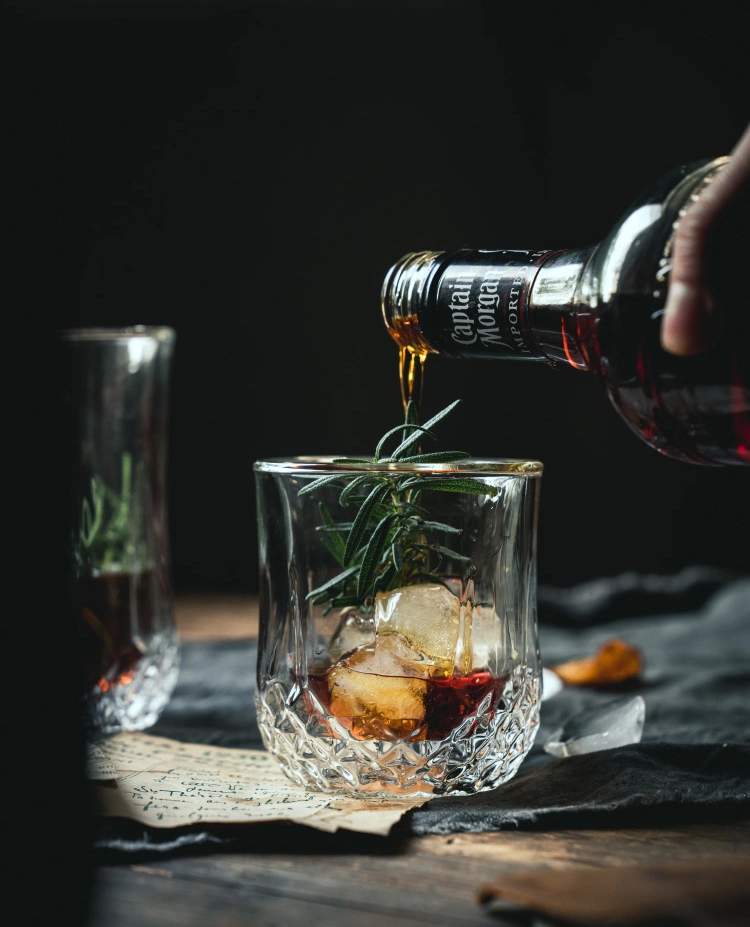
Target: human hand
<point>691,323</point>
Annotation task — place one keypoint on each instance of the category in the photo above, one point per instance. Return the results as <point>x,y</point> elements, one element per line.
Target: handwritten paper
<point>98,764</point>
<point>163,783</point>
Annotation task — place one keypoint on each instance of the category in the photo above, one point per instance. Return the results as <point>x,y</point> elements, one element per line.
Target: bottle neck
<point>561,327</point>
<point>517,305</point>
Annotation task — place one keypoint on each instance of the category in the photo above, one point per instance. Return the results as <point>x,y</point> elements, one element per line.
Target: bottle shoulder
<point>635,257</point>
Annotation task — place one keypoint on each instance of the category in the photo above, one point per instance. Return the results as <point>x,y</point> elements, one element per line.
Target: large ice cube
<point>354,630</point>
<point>390,655</point>
<point>428,616</point>
<point>378,695</point>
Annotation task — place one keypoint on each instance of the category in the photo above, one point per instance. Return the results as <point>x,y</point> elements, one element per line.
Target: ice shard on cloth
<point>616,723</point>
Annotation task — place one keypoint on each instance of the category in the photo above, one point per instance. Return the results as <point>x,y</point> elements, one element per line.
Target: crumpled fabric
<point>693,629</point>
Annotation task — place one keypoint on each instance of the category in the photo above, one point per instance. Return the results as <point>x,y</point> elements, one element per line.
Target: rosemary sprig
<point>389,542</point>
<point>105,533</point>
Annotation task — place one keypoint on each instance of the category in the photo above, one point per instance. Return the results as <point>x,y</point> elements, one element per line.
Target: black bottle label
<point>480,308</point>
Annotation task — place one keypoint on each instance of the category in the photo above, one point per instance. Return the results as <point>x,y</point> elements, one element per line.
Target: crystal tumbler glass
<point>398,650</point>
<point>118,382</point>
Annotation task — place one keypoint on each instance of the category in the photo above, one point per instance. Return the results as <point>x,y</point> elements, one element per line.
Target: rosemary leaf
<point>397,552</point>
<point>358,481</point>
<point>439,526</point>
<point>333,583</point>
<point>373,552</point>
<point>412,439</point>
<point>475,487</point>
<point>318,484</point>
<point>411,417</point>
<point>360,522</point>
<point>334,542</point>
<point>417,431</point>
<point>437,457</point>
<point>334,551</point>
<point>447,552</point>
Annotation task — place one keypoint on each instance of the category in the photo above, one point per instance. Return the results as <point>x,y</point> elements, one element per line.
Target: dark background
<point>248,172</point>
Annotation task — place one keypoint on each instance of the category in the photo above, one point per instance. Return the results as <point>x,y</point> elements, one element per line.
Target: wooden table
<point>297,876</point>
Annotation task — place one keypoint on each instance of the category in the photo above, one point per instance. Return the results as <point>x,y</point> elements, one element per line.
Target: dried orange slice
<point>615,661</point>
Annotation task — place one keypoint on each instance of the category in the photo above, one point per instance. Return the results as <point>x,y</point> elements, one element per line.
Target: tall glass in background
<point>120,568</point>
<point>427,688</point>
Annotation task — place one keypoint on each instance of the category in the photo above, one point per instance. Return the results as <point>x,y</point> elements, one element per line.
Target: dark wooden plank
<point>156,897</point>
<point>421,886</point>
<point>689,893</point>
<point>621,847</point>
<point>296,875</point>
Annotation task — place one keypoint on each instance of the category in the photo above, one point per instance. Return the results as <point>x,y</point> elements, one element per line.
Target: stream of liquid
<point>411,375</point>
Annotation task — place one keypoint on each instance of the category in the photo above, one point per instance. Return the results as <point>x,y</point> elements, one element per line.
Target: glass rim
<point>126,333</point>
<point>321,465</point>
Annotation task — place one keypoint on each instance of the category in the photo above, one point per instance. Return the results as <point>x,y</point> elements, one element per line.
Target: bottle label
<point>481,305</point>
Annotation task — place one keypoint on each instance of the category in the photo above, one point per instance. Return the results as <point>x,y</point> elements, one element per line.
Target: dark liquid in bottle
<point>695,409</point>
<point>103,614</point>
<point>690,408</point>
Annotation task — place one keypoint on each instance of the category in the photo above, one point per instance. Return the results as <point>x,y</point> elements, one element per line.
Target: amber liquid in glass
<point>441,703</point>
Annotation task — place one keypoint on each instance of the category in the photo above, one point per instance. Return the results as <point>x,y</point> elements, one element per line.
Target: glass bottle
<point>122,602</point>
<point>598,309</point>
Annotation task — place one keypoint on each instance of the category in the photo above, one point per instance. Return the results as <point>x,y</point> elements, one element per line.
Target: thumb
<point>691,323</point>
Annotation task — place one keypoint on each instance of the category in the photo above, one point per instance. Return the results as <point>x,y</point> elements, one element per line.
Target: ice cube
<point>378,695</point>
<point>486,638</point>
<point>411,662</point>
<point>390,655</point>
<point>354,630</point>
<point>614,724</point>
<point>428,616</point>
